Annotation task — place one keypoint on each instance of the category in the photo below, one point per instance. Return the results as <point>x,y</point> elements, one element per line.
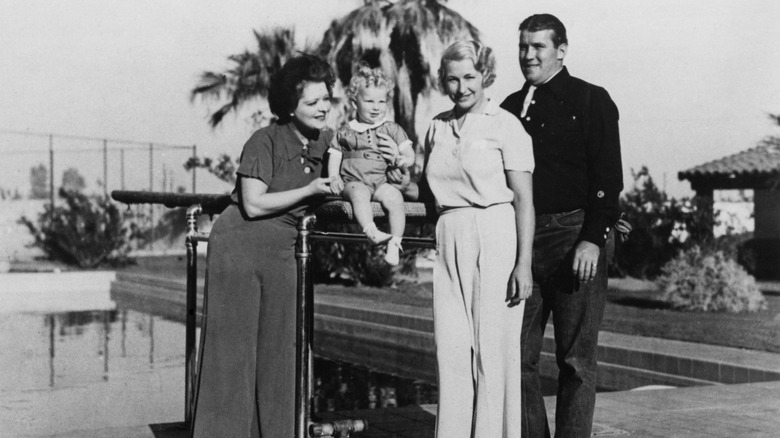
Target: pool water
<point>74,349</point>
<point>60,350</point>
<point>126,367</point>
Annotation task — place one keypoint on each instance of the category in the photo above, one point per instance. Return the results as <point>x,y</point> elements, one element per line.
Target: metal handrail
<point>209,203</point>
<point>333,209</point>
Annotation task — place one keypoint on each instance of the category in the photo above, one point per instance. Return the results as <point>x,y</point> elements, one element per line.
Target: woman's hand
<point>320,186</point>
<point>387,147</point>
<point>336,185</point>
<point>258,202</point>
<point>520,285</point>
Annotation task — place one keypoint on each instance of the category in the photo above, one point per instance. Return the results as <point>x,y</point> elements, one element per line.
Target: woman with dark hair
<point>246,381</point>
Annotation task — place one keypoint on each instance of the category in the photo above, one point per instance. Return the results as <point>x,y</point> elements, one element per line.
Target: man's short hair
<point>538,22</point>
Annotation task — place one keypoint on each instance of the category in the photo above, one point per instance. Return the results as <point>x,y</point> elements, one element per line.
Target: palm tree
<point>250,75</point>
<point>405,38</point>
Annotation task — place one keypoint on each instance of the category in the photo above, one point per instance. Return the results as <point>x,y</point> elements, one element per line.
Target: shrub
<point>662,226</point>
<point>361,263</point>
<point>708,281</point>
<point>84,231</point>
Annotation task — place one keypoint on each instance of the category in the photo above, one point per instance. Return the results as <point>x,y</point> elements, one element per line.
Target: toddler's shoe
<point>375,236</point>
<point>392,253</point>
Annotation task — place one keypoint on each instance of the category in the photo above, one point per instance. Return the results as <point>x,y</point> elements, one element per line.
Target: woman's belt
<point>371,155</point>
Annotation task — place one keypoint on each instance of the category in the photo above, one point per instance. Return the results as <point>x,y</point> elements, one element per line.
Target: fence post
<point>51,176</point>
<point>122,170</point>
<point>105,167</point>
<point>151,189</point>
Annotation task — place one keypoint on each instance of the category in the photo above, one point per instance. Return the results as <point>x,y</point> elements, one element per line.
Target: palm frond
<point>211,85</point>
<point>249,74</point>
<point>405,38</point>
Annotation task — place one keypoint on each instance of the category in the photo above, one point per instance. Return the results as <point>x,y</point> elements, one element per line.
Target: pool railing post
<point>191,243</point>
<point>304,325</point>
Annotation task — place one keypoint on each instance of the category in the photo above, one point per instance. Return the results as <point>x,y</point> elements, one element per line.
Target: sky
<point>694,80</point>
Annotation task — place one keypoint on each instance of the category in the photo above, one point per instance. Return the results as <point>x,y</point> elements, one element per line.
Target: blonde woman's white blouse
<point>466,166</point>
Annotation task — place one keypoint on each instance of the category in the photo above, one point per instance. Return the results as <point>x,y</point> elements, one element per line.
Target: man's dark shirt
<point>574,126</point>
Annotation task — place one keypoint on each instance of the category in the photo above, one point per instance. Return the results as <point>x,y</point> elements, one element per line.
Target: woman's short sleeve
<point>335,142</point>
<point>257,157</point>
<point>516,145</point>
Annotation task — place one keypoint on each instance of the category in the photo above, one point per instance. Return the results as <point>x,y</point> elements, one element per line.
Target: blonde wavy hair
<point>367,77</point>
<point>481,55</point>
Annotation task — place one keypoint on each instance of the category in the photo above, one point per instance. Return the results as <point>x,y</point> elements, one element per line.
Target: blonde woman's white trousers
<point>477,335</point>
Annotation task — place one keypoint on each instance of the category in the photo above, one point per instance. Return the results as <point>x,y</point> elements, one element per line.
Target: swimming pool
<point>125,367</point>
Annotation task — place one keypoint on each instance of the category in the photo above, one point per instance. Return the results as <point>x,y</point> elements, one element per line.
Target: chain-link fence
<point>37,165</point>
<point>98,165</point>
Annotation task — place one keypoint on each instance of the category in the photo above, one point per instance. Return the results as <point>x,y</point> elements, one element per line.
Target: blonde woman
<point>478,165</point>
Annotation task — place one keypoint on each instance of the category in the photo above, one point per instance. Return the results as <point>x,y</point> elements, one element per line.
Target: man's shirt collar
<point>555,84</point>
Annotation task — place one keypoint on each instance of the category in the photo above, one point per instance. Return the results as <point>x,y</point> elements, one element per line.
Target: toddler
<point>361,153</point>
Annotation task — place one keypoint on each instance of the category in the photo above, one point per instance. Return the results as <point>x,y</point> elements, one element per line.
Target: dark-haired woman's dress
<point>246,378</point>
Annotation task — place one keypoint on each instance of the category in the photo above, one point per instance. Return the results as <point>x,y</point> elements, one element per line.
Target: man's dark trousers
<point>577,309</point>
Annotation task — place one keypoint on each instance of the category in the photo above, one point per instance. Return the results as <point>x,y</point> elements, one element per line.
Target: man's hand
<point>586,261</point>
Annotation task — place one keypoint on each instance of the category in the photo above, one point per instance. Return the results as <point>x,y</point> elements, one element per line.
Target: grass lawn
<point>643,313</point>
<point>634,312</point>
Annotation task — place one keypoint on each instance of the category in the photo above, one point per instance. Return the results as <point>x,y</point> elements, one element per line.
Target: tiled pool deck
<point>743,410</point>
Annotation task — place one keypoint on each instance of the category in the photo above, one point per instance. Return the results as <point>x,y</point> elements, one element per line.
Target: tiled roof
<point>763,159</point>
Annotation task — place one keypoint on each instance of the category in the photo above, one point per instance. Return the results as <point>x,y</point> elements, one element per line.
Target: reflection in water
<point>50,321</point>
<point>106,333</point>
<point>339,386</point>
<point>64,355</point>
<point>151,341</point>
<point>124,333</point>
<point>75,349</point>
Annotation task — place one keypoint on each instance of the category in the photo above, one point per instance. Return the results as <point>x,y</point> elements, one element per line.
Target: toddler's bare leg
<point>360,197</point>
<point>393,203</point>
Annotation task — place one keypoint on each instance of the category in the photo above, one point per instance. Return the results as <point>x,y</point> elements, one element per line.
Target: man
<point>577,181</point>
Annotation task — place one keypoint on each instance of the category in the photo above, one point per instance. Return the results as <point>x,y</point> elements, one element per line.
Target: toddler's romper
<point>361,160</point>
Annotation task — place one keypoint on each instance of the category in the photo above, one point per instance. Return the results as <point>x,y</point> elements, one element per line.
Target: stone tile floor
<point>745,411</point>
<point>748,410</point>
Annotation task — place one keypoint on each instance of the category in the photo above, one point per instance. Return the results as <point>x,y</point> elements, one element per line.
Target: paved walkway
<point>728,411</point>
<point>749,410</point>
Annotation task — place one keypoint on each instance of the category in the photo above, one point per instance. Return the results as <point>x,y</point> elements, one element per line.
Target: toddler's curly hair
<point>366,77</point>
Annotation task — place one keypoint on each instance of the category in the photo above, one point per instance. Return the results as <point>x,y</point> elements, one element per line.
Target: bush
<point>361,263</point>
<point>708,281</point>
<point>84,231</point>
<point>662,227</point>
